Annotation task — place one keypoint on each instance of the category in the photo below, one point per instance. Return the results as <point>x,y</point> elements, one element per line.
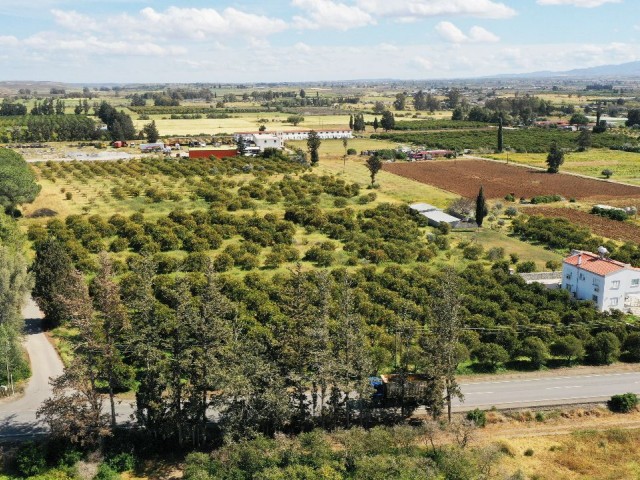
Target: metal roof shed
<point>422,207</point>
<point>435,218</point>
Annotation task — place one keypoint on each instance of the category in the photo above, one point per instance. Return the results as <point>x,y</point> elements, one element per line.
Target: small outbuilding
<point>437,217</point>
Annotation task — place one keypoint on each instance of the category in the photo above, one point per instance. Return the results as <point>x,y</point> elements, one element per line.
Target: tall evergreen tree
<point>555,158</point>
<point>500,137</point>
<point>313,145</point>
<point>481,208</point>
<point>388,121</point>
<point>376,125</point>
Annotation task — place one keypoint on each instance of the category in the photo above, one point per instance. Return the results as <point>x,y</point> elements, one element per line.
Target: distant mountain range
<point>630,69</point>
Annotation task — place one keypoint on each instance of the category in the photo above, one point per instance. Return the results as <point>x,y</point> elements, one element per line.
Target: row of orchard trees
<point>193,352</point>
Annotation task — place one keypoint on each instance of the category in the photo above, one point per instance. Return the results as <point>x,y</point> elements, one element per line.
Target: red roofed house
<point>608,283</point>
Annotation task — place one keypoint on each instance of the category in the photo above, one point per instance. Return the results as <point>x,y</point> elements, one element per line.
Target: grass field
<point>623,164</point>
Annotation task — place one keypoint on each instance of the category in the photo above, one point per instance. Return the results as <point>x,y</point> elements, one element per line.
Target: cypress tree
<point>500,137</point>
<point>351,122</point>
<point>481,208</point>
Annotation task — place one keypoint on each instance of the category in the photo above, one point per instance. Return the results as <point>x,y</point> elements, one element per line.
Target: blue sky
<point>91,41</point>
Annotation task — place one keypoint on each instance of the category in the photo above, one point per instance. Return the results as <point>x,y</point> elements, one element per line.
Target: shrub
<point>495,253</point>
<point>606,173</point>
<point>68,195</point>
<point>511,211</point>
<point>30,459</point>
<point>122,462</point>
<point>612,213</point>
<point>478,417</point>
<point>623,403</point>
<point>340,202</point>
<point>472,252</point>
<point>105,472</point>
<point>514,258</point>
<point>546,199</point>
<point>604,349</point>
<point>444,228</point>
<point>528,452</point>
<point>526,267</point>
<point>510,197</point>
<point>352,151</point>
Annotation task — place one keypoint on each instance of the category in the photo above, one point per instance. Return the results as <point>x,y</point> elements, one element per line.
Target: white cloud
<point>330,14</point>
<point>422,63</point>
<point>174,22</point>
<point>578,3</point>
<point>8,41</point>
<point>432,8</point>
<point>302,47</point>
<point>453,34</point>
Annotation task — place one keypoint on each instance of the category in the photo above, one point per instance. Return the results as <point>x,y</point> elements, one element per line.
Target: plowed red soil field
<point>465,177</point>
<point>627,232</point>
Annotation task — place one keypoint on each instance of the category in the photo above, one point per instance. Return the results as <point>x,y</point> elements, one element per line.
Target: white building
<point>284,136</point>
<point>265,140</point>
<point>608,283</point>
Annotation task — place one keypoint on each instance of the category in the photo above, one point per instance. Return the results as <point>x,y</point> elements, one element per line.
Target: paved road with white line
<point>18,415</point>
<point>547,390</point>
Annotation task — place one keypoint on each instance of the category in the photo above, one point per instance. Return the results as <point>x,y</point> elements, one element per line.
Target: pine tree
<point>151,131</point>
<point>481,208</point>
<point>376,125</point>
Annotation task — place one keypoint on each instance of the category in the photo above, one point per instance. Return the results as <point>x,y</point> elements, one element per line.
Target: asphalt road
<point>18,415</point>
<point>547,390</point>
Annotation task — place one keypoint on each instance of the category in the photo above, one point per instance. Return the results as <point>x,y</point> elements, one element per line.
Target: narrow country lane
<point>18,416</point>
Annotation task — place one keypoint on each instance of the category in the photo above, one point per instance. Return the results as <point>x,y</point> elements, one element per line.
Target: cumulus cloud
<point>578,3</point>
<point>453,34</point>
<point>432,8</point>
<point>330,14</point>
<point>175,22</point>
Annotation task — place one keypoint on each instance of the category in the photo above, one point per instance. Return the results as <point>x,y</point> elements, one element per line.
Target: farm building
<point>610,284</point>
<point>422,207</point>
<point>434,215</point>
<point>295,134</point>
<point>212,152</point>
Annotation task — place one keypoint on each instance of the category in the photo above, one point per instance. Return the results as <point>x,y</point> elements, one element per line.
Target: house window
<point>568,286</point>
<point>594,281</point>
<point>615,284</point>
<point>581,276</point>
<point>594,298</point>
<point>569,275</point>
<point>614,302</point>
<point>635,282</point>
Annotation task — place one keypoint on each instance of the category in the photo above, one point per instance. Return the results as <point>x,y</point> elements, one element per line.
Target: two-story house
<point>608,283</point>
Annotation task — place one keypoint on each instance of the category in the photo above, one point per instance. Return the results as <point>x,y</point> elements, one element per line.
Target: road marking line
<point>551,378</point>
<point>568,386</point>
<point>479,393</point>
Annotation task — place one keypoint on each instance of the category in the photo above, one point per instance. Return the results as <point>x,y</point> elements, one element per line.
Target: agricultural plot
<point>605,227</point>
<point>624,165</point>
<point>465,177</point>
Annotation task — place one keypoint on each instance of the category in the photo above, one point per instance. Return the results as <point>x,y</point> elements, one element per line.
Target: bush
<point>105,472</point>
<point>604,349</point>
<point>122,462</point>
<point>623,403</point>
<point>528,452</point>
<point>546,199</point>
<point>526,267</point>
<point>510,197</point>
<point>511,211</point>
<point>478,417</point>
<point>30,459</point>
<point>606,173</point>
<point>612,213</point>
<point>352,151</point>
<point>472,252</point>
<point>68,195</point>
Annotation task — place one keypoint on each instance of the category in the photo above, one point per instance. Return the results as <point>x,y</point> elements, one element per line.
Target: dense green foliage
<point>15,283</point>
<point>532,140</point>
<point>379,453</point>
<point>17,181</point>
<point>612,213</point>
<point>49,128</point>
<point>623,403</point>
<point>435,125</point>
<point>561,234</point>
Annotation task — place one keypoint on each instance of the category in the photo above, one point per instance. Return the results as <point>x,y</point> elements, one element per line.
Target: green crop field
<point>625,165</point>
